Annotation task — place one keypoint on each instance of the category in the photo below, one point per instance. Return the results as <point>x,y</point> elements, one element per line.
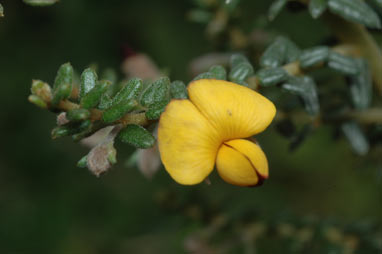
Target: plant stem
<point>96,114</point>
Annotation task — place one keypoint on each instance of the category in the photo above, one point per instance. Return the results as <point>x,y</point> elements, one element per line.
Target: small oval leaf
<point>136,136</point>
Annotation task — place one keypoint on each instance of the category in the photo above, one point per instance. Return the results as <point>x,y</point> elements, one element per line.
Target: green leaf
<point>241,69</point>
<point>237,59</point>
<point>1,11</point>
<point>272,76</point>
<point>178,90</point>
<point>356,11</point>
<point>281,51</point>
<point>64,76</point>
<point>70,129</point>
<point>204,75</point>
<point>292,51</point>
<point>276,8</point>
<point>129,91</point>
<point>155,110</point>
<point>317,7</point>
<point>361,86</point>
<point>306,89</point>
<point>117,111</point>
<point>61,131</point>
<point>241,72</point>
<point>83,162</point>
<point>218,72</point>
<point>274,55</point>
<point>92,98</point>
<point>136,136</point>
<point>109,74</point>
<point>61,93</point>
<point>158,91</point>
<point>105,101</point>
<point>62,87</point>
<point>88,81</point>
<point>37,101</point>
<point>78,114</point>
<point>313,56</point>
<point>343,64</point>
<point>356,138</point>
<point>40,2</point>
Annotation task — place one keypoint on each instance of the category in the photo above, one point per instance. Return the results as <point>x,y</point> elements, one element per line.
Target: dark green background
<point>48,205</point>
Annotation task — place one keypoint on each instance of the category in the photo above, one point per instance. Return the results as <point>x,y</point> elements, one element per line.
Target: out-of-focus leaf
<point>136,136</point>
<point>129,91</point>
<point>83,162</point>
<point>88,81</point>
<point>218,72</point>
<point>241,69</point>
<point>92,98</point>
<point>78,114</point>
<point>317,7</point>
<point>241,72</point>
<point>236,59</point>
<point>215,72</point>
<point>178,90</point>
<point>109,74</point>
<point>306,88</point>
<point>274,55</point>
<point>40,2</point>
<point>292,51</point>
<point>286,128</point>
<point>271,76</point>
<point>379,2</point>
<point>117,111</point>
<point>355,10</point>
<point>356,138</point>
<point>344,64</point>
<point>276,8</point>
<point>230,5</point>
<point>313,56</point>
<point>281,51</point>
<point>361,86</point>
<point>158,91</point>
<point>299,138</point>
<point>1,11</point>
<point>199,16</point>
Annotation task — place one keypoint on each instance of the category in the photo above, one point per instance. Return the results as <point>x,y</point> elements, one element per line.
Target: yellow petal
<point>253,153</point>
<point>238,162</point>
<point>187,143</point>
<point>235,111</point>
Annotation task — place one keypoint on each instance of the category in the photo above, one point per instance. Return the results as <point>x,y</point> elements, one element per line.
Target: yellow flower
<point>212,126</point>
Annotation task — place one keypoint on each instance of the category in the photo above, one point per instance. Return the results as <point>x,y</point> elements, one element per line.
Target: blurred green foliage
<point>47,205</point>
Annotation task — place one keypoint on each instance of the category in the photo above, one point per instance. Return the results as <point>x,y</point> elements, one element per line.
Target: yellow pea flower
<point>211,127</point>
